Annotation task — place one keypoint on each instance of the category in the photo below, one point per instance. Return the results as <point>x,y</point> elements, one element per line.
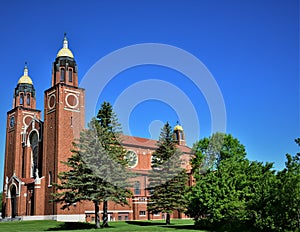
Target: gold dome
<point>25,79</point>
<point>65,51</point>
<point>178,127</point>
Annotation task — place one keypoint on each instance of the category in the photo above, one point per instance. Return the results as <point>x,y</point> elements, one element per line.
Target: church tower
<point>35,150</point>
<point>63,119</point>
<point>23,158</point>
<point>24,95</point>
<point>179,135</point>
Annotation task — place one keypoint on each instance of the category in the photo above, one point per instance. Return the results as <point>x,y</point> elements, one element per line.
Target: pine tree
<point>80,182</point>
<point>167,179</point>
<point>97,169</point>
<point>109,132</point>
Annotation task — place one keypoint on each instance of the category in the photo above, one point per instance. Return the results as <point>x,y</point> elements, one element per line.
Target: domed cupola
<point>25,79</point>
<point>179,135</point>
<point>24,92</point>
<point>64,69</point>
<point>65,51</point>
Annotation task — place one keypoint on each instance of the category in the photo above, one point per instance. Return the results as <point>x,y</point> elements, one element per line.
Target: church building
<point>35,148</point>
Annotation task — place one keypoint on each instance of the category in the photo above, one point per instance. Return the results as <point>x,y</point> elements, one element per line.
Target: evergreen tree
<point>79,182</point>
<point>97,168</point>
<point>167,179</point>
<point>109,132</point>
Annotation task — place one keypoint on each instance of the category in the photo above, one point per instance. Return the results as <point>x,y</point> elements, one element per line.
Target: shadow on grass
<point>73,226</point>
<point>181,227</point>
<point>162,224</point>
<point>143,223</point>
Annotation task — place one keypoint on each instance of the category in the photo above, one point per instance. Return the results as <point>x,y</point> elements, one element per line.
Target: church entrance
<point>13,194</point>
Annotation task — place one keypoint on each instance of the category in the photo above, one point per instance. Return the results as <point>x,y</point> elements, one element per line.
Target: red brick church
<point>35,148</point>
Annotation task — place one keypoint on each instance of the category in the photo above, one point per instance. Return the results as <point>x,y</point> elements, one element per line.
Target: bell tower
<point>63,119</point>
<point>24,95</point>
<point>179,135</point>
<point>18,119</point>
<point>18,166</point>
<point>64,69</point>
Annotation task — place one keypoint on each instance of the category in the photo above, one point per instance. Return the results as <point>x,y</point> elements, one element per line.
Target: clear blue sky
<point>250,47</point>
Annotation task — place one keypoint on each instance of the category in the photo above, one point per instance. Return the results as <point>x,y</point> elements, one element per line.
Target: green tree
<point>287,201</point>
<point>218,198</point>
<point>209,152</point>
<point>79,182</point>
<point>97,169</point>
<point>261,192</point>
<point>241,193</point>
<point>226,195</point>
<point>109,132</point>
<point>167,179</point>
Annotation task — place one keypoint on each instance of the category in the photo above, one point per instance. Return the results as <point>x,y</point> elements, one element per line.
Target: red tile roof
<point>128,140</point>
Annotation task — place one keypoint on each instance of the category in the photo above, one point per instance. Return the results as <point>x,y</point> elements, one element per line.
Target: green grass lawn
<point>142,226</point>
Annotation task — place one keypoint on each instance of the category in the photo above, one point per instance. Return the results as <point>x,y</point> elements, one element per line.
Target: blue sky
<point>251,49</point>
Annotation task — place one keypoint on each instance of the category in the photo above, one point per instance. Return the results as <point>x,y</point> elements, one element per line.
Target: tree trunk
<point>168,220</point>
<point>97,218</point>
<point>105,215</point>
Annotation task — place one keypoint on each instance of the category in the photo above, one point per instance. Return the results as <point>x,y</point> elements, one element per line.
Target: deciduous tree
<point>241,193</point>
<point>287,201</point>
<point>223,191</point>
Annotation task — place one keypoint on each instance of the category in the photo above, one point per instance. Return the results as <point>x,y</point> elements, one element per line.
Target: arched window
<point>23,162</point>
<point>70,75</point>
<point>137,188</point>
<point>50,179</point>
<point>36,165</point>
<point>176,136</point>
<point>180,135</point>
<point>28,99</point>
<point>21,99</point>
<point>35,161</point>
<point>62,74</point>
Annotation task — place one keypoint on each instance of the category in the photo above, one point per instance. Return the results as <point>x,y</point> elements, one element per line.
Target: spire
<point>65,51</point>
<point>25,69</point>
<point>65,44</point>
<point>25,79</point>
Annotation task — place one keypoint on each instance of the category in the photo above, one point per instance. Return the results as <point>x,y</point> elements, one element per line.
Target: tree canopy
<point>242,194</point>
